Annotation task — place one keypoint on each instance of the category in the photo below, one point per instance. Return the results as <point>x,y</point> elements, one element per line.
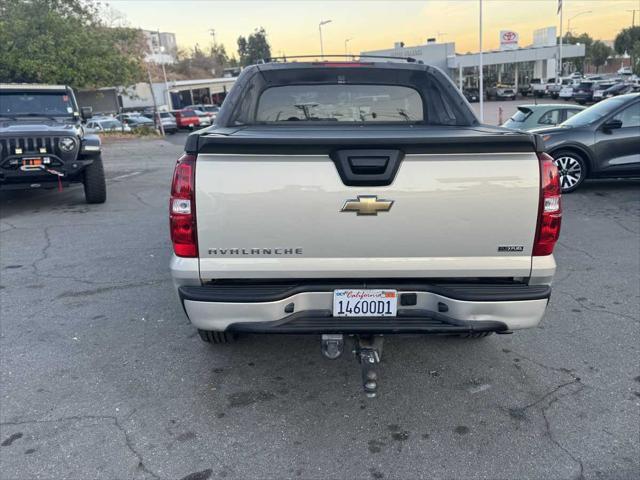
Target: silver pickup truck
<point>358,199</point>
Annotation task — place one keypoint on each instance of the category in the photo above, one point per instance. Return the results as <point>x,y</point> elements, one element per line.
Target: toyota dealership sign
<point>508,40</point>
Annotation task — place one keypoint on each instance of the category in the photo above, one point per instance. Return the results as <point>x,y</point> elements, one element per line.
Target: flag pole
<point>481,86</point>
<point>559,74</point>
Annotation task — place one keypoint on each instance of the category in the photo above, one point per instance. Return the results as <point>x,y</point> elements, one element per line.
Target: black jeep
<point>43,143</point>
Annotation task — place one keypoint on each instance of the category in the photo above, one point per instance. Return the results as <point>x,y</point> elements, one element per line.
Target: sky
<point>292,25</point>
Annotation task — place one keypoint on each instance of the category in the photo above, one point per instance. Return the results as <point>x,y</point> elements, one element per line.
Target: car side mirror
<point>86,112</point>
<point>611,125</point>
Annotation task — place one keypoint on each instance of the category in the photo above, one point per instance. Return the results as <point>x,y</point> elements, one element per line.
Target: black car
<point>471,94</point>
<point>43,143</point>
<point>618,89</point>
<point>599,142</point>
<point>583,93</point>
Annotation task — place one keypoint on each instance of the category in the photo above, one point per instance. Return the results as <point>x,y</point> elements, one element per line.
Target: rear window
<point>340,103</point>
<point>188,113</point>
<point>521,115</point>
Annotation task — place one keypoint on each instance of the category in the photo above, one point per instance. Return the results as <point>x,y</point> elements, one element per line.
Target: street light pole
<point>576,15</point>
<point>481,87</point>
<point>164,74</point>
<point>346,42</point>
<point>322,22</point>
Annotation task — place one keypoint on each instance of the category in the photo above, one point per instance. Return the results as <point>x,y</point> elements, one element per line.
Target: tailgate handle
<point>367,167</point>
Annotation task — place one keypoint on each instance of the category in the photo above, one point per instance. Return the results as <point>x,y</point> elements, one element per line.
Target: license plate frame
<point>359,302</point>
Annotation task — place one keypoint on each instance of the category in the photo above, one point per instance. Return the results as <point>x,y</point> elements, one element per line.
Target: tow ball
<point>367,350</point>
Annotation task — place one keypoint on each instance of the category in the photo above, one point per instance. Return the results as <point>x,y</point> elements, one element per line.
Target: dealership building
<point>511,64</point>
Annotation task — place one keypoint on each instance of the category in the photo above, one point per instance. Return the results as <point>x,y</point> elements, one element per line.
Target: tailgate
<point>281,216</point>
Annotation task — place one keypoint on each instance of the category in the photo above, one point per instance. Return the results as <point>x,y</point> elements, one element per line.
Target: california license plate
<point>365,303</point>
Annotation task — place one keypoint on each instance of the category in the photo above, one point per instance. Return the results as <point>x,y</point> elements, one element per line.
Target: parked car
<point>210,110</point>
<point>501,91</point>
<point>529,117</point>
<point>553,87</point>
<point>135,120</point>
<point>205,119</point>
<point>43,144</point>
<point>618,89</point>
<point>566,88</point>
<point>169,124</point>
<point>471,94</point>
<point>599,89</point>
<point>525,89</point>
<point>186,118</point>
<point>601,141</point>
<point>583,92</point>
<point>106,124</point>
<point>538,88</point>
<point>370,236</point>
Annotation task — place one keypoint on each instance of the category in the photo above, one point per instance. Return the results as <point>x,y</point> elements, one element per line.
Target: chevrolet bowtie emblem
<point>367,205</point>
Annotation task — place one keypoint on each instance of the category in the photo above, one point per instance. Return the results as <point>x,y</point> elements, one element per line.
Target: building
<point>510,64</point>
<point>161,45</point>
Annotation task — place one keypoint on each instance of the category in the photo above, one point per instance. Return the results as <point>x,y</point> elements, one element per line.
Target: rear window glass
<point>521,116</point>
<point>340,103</point>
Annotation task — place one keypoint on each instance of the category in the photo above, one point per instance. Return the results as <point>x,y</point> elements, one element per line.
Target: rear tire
<point>572,169</point>
<point>216,337</point>
<point>95,187</point>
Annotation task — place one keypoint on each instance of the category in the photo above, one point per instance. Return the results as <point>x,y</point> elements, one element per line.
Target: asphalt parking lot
<point>103,377</point>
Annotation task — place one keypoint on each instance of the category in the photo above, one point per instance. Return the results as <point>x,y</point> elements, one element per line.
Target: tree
<point>598,54</point>
<point>582,39</point>
<point>635,58</point>
<point>626,39</point>
<point>65,41</point>
<point>254,48</point>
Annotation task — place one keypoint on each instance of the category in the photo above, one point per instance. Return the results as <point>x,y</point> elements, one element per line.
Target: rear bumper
<point>305,307</point>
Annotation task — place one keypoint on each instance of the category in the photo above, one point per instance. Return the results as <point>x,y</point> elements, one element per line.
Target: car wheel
<point>95,187</point>
<point>572,169</point>
<point>216,337</point>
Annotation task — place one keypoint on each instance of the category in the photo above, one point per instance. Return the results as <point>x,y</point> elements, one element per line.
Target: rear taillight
<point>182,208</point>
<point>550,210</point>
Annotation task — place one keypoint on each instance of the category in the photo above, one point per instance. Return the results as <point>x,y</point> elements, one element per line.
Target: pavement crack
<point>555,441</point>
<point>127,438</point>
<point>599,310</point>
<point>105,289</point>
<point>141,200</point>
<point>553,396</point>
<point>576,249</point>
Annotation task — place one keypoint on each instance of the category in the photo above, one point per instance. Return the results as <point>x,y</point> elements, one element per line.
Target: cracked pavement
<point>103,377</point>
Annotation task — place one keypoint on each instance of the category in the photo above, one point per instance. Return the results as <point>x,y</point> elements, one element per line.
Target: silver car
<point>528,117</point>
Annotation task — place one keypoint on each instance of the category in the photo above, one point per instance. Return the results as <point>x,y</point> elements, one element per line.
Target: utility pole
<point>322,22</point>
<point>156,114</point>
<point>481,76</point>
<point>633,16</point>
<point>213,35</point>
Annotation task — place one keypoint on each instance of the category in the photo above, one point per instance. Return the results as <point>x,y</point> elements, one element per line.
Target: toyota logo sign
<point>508,39</point>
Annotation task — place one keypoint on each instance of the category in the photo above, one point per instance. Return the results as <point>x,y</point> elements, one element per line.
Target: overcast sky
<point>292,25</point>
